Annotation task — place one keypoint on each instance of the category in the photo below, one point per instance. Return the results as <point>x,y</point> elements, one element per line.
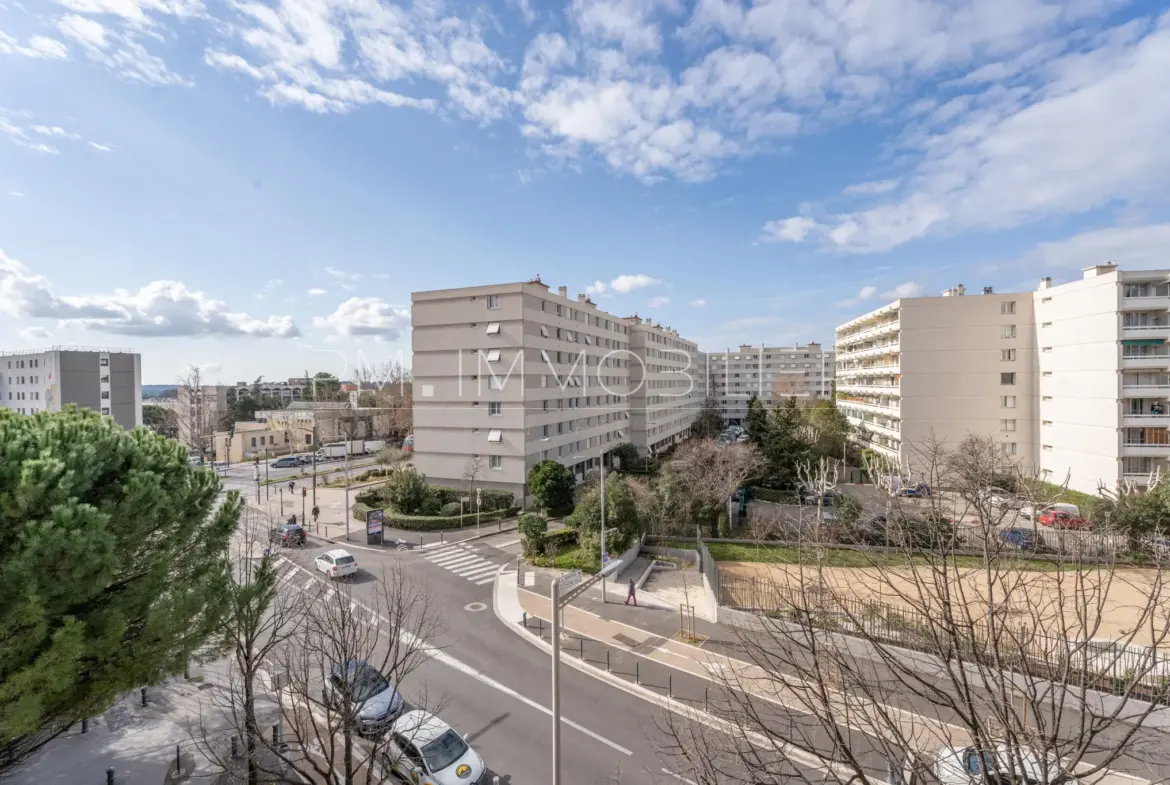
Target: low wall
<point>676,553</point>
<point>630,553</point>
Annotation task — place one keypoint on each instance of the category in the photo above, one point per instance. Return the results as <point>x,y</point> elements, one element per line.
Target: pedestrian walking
<point>316,512</point>
<point>291,485</point>
<point>630,594</point>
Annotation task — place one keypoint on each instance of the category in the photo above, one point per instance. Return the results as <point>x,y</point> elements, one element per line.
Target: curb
<point>668,704</point>
<point>344,542</point>
<point>645,574</point>
<point>466,539</point>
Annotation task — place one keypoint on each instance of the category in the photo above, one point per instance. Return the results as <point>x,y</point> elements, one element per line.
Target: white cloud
<point>342,274</point>
<point>1132,247</point>
<point>872,188</point>
<point>623,284</point>
<point>1009,156</point>
<point>792,230</point>
<point>867,293</point>
<point>17,194</point>
<point>120,52</point>
<point>366,316</point>
<point>658,302</point>
<point>700,303</point>
<point>38,46</point>
<point>103,148</point>
<point>316,292</point>
<point>904,290</point>
<point>160,308</point>
<point>35,333</point>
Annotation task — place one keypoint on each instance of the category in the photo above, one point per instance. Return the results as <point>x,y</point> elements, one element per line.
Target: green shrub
<point>562,538</point>
<point>785,496</point>
<point>432,523</point>
<point>431,506</point>
<point>406,491</point>
<point>449,509</point>
<point>552,484</point>
<point>533,529</point>
<point>724,528</point>
<point>490,501</point>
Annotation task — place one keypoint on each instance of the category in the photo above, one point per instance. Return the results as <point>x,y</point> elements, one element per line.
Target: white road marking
<point>486,580</point>
<point>476,566</point>
<point>460,562</point>
<point>353,606</point>
<point>453,558</point>
<point>329,594</point>
<point>678,777</point>
<point>508,544</point>
<point>309,583</point>
<point>478,572</point>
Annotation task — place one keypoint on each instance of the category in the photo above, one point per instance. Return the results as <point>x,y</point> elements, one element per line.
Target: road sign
<point>375,521</point>
<point>605,558</point>
<point>569,580</point>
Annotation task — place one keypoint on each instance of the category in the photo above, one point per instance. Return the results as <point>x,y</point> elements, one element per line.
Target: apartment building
<point>1104,360</point>
<point>666,388</point>
<point>511,374</point>
<point>940,368</point>
<point>768,373</point>
<point>292,390</point>
<point>199,410</point>
<point>108,381</point>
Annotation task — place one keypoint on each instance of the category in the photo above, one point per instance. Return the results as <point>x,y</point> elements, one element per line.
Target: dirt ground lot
<point>1033,599</point>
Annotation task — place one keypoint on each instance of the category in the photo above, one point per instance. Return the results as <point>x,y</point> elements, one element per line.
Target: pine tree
<point>112,568</point>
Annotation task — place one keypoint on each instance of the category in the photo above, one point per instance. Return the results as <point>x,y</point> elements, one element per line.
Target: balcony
<point>885,328</point>
<point>875,427</point>
<point>1159,389</point>
<point>1146,303</point>
<point>1135,448</point>
<point>1159,328</point>
<point>865,406</point>
<point>863,388</point>
<point>1145,420</point>
<point>1139,361</point>
<point>871,351</point>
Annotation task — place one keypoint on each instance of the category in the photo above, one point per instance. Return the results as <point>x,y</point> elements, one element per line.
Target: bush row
<point>432,523</point>
<point>439,498</point>
<point>773,495</point>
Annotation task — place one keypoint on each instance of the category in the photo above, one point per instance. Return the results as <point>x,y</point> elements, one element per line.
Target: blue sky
<point>257,187</point>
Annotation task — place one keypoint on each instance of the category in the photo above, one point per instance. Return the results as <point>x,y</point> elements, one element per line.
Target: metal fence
<point>1099,666</point>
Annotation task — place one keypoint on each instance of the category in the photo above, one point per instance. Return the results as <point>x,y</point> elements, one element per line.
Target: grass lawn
<point>570,557</point>
<point>844,557</point>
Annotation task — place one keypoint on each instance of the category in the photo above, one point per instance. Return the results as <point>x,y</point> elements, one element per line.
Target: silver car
<point>376,701</point>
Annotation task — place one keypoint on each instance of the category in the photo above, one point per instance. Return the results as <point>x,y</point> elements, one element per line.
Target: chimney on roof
<point>988,290</point>
<point>1045,283</point>
<point>563,291</point>
<point>582,298</point>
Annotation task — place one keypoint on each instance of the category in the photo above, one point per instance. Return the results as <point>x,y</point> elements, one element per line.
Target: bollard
<point>495,779</point>
<point>110,776</point>
<point>524,614</point>
<point>276,734</point>
<point>607,660</point>
<point>85,725</point>
<point>441,535</point>
<point>178,759</point>
<point>581,641</point>
<point>670,685</point>
<point>705,699</point>
<point>637,676</point>
<point>143,696</point>
<point>235,747</point>
<point>540,624</point>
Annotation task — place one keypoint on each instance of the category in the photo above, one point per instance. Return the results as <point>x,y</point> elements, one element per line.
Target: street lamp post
<point>267,487</point>
<point>556,682</point>
<point>603,525</point>
<point>477,505</point>
<point>256,477</point>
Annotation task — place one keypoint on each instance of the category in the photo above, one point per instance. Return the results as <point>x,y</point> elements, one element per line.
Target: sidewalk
<point>139,742</point>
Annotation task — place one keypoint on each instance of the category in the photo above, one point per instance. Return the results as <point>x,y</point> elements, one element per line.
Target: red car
<point>1059,519</point>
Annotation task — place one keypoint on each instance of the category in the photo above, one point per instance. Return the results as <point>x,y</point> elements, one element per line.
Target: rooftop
<point>95,349</point>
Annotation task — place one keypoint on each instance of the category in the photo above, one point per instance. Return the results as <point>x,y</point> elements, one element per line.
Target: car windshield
<point>444,751</point>
<point>344,560</point>
<point>367,683</point>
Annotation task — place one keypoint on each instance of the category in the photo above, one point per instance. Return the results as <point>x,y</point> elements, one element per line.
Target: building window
<point>495,462</point>
<point>544,330</point>
<point>1046,422</point>
<point>253,441</point>
<point>1007,355</point>
<point>544,355</point>
<point>1007,308</point>
<point>1045,348</point>
<point>105,394</point>
<point>493,328</point>
<point>104,362</point>
<point>1046,324</point>
<point>1007,378</point>
<point>1007,331</point>
<point>1007,425</point>
<point>1007,401</point>
<point>495,383</point>
<point>495,435</point>
<point>544,434</point>
<point>493,355</point>
<point>494,408</point>
<point>1009,448</point>
<point>493,301</point>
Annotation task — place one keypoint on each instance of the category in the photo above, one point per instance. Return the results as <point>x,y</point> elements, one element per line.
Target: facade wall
<point>767,372</point>
<point>666,390</point>
<point>109,383</point>
<point>515,374</point>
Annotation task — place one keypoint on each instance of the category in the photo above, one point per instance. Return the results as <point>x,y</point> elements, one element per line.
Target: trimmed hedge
<point>432,523</point>
<point>561,538</point>
<point>773,495</point>
<point>439,496</point>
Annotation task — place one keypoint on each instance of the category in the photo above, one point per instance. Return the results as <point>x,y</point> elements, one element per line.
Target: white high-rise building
<point>667,386</point>
<point>108,381</point>
<point>938,368</point>
<point>1104,362</point>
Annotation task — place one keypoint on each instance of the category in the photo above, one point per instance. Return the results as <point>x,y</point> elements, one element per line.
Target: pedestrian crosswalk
<point>466,562</point>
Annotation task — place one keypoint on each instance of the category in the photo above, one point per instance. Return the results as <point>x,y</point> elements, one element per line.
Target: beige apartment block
<point>940,368</point>
<point>508,375</point>
<point>769,373</point>
<point>666,386</point>
<point>1104,351</point>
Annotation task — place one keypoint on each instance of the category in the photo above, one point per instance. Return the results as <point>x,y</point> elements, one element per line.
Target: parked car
<point>996,497</point>
<point>336,563</point>
<point>914,531</point>
<point>305,460</point>
<point>743,438</point>
<point>288,534</point>
<point>285,462</point>
<point>1023,539</point>
<point>918,491</point>
<point>1028,511</point>
<point>1059,519</point>
<point>361,686</point>
<point>973,766</point>
<point>423,748</point>
<point>809,496</point>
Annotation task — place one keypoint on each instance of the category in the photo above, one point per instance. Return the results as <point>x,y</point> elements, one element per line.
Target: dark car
<point>305,460</point>
<point>287,534</point>
<point>286,462</point>
<point>1023,539</point>
<point>809,496</point>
